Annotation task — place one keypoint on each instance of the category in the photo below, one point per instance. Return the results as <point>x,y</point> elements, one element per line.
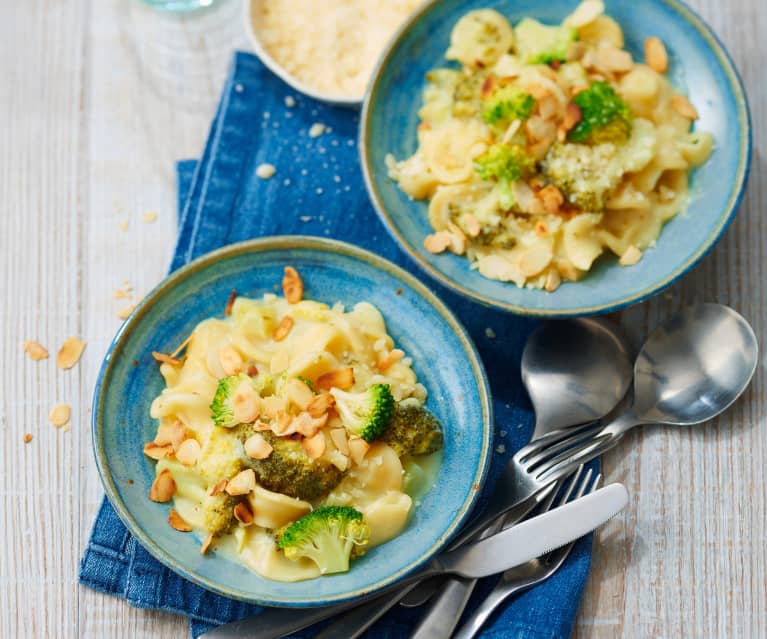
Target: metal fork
<point>526,576</point>
<point>445,611</point>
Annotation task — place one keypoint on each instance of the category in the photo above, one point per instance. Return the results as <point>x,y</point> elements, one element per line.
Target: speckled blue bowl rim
<point>288,242</point>
<point>736,194</point>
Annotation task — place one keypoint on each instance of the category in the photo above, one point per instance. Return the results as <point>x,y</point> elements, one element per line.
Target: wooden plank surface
<point>99,98</point>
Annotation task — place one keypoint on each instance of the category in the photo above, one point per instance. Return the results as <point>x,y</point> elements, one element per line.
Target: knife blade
<point>509,548</point>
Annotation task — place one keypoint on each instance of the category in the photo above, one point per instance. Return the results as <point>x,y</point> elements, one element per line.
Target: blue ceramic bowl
<point>444,359</point>
<point>699,66</point>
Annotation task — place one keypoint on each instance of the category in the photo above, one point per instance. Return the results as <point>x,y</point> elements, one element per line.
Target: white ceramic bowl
<point>251,27</point>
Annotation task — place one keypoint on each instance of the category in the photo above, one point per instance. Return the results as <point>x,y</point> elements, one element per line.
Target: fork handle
<point>478,618</point>
<point>443,614</point>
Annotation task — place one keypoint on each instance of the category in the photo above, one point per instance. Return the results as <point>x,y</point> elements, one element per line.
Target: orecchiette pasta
<point>548,146</point>
<point>252,435</point>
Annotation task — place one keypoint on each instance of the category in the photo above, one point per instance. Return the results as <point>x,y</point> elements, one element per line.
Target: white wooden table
<point>98,99</point>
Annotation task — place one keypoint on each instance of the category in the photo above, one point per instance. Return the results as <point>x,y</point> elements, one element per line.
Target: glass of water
<point>180,5</point>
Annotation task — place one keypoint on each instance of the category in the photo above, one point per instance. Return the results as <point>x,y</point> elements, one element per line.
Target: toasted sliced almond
<point>282,424</point>
<point>27,438</point>
<point>163,487</point>
<point>177,435</point>
<point>35,350</point>
<point>230,303</point>
<point>585,13</point>
<point>307,425</point>
<point>60,415</point>
<point>124,313</point>
<point>206,544</point>
<point>246,403</point>
<point>231,360</point>
<point>243,513</point>
<point>683,106</point>
<point>242,483</point>
<point>261,426</point>
<point>613,60</point>
<point>166,359</point>
<point>437,242</point>
<point>177,522</point>
<point>393,356</point>
<point>472,225</point>
<point>340,440</point>
<point>553,280</point>
<point>257,447</point>
<point>218,488</point>
<point>292,285</point>
<point>156,451</point>
<point>339,460</point>
<point>342,378</point>
<point>655,54</point>
<point>573,115</point>
<point>273,406</point>
<point>189,452</point>
<point>70,353</point>
<point>631,256</point>
<point>552,198</point>
<point>298,392</point>
<point>320,404</point>
<point>358,448</point>
<point>283,328</point>
<point>314,446</point>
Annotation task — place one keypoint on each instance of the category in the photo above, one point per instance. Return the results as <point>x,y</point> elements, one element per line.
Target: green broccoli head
<point>605,117</point>
<point>288,469</point>
<point>222,405</point>
<point>538,43</point>
<point>218,513</point>
<point>413,430</point>
<point>329,536</point>
<point>506,104</point>
<point>505,163</point>
<point>365,414</point>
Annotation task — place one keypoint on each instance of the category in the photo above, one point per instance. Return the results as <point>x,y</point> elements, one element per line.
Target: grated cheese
<point>331,46</point>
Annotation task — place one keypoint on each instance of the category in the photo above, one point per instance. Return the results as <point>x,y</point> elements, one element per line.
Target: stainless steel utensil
<point>693,367</point>
<point>574,371</point>
<point>507,549</point>
<point>521,578</point>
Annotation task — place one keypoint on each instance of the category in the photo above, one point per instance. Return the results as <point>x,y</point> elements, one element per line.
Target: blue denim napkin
<point>318,190</point>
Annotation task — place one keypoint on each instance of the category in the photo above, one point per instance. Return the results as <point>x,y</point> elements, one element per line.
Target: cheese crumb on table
<point>290,101</point>
<point>330,46</point>
<point>265,171</point>
<point>316,130</point>
<point>150,217</point>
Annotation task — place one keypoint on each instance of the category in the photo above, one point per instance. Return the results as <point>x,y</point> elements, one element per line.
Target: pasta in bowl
<point>553,136</point>
<point>150,465</point>
<point>292,435</point>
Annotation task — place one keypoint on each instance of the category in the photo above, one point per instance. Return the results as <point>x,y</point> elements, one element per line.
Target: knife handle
<point>446,609</point>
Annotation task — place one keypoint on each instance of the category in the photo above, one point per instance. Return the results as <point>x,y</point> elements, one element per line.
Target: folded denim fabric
<point>318,190</point>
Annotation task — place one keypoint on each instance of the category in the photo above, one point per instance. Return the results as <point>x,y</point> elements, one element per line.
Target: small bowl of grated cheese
<point>326,50</point>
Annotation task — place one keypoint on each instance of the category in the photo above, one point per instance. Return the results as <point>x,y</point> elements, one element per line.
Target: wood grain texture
<point>99,98</point>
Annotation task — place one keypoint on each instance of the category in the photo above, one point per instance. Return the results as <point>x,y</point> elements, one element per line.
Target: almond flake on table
<point>150,217</point>
<point>124,225</point>
<point>124,313</point>
<point>122,294</point>
<point>265,170</point>
<point>60,415</point>
<point>35,350</point>
<point>27,438</point>
<point>70,353</point>
<point>316,130</point>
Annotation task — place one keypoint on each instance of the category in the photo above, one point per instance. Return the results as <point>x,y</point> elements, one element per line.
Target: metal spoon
<point>693,367</point>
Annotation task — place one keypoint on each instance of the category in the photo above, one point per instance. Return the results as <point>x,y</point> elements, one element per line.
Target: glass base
<point>180,5</point>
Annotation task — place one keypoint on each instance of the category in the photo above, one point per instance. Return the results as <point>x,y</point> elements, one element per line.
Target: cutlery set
<point>579,378</point>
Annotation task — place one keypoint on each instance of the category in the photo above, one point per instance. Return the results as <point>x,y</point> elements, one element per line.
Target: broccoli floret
<point>221,406</point>
<point>221,456</point>
<point>288,469</point>
<point>329,536</point>
<point>605,117</point>
<point>538,43</point>
<point>505,163</point>
<point>365,414</point>
<point>218,513</point>
<point>413,430</point>
<point>506,104</point>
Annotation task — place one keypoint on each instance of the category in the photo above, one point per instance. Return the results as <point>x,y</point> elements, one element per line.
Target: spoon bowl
<point>694,366</point>
<point>575,371</point>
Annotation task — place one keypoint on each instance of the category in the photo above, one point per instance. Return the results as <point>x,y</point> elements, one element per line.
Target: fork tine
<point>552,438</point>
<point>544,451</point>
<point>575,480</point>
<point>557,467</point>
<point>570,455</point>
